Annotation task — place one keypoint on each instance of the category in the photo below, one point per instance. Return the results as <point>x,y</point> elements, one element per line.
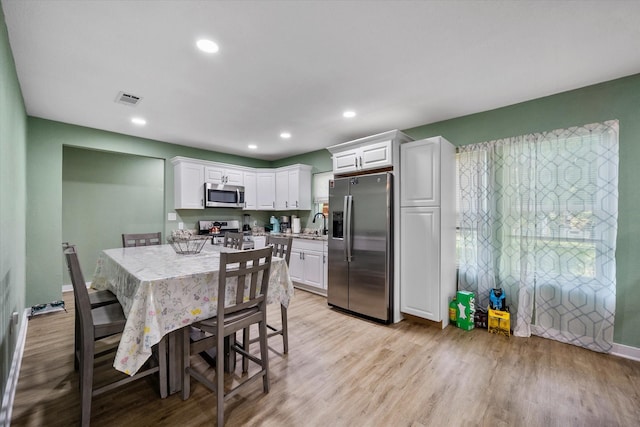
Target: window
<point>537,216</point>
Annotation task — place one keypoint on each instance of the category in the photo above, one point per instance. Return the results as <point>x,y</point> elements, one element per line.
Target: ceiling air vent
<point>128,99</point>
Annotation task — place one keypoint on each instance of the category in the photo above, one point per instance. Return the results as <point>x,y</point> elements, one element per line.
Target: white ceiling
<point>296,65</point>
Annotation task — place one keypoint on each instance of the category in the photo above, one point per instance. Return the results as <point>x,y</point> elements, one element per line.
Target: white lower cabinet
<point>420,262</point>
<point>308,265</point>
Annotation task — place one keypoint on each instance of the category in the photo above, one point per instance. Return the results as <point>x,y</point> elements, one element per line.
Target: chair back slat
<point>233,240</point>
<point>236,268</point>
<point>141,239</point>
<point>281,246</point>
<point>80,293</point>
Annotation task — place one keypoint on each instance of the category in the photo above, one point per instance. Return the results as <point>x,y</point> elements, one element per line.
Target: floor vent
<point>128,99</point>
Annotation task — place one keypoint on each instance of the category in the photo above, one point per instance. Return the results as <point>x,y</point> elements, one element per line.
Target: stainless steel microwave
<point>223,196</point>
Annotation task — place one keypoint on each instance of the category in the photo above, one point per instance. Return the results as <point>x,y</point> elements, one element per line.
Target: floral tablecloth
<point>161,291</point>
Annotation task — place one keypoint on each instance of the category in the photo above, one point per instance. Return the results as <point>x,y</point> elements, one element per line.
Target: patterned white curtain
<point>537,217</point>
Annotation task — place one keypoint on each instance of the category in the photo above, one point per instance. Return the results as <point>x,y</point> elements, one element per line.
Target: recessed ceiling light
<point>349,114</point>
<point>138,121</point>
<point>252,146</point>
<point>207,46</point>
<point>285,135</point>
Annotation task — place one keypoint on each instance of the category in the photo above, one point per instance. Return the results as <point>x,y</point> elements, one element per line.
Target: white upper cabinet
<point>284,188</point>
<point>223,175</point>
<point>293,188</point>
<point>188,188</point>
<point>250,191</point>
<point>266,190</point>
<point>420,172</point>
<point>373,152</point>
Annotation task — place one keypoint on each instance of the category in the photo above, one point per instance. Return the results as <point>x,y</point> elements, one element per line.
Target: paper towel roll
<point>296,225</point>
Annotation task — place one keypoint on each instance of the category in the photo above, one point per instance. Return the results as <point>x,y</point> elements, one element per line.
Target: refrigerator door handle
<point>348,203</point>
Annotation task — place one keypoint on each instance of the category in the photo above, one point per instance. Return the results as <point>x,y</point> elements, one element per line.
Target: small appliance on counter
<point>284,224</point>
<point>275,225</point>
<point>216,230</point>
<point>246,222</point>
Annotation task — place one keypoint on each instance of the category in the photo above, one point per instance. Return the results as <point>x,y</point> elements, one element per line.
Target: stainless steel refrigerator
<point>361,245</point>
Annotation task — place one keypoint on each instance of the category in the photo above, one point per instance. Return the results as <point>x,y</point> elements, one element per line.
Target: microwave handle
<point>238,195</point>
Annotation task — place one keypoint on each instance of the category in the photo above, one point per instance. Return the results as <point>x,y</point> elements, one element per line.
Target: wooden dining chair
<point>233,240</point>
<point>281,248</point>
<point>141,239</point>
<point>244,277</point>
<point>96,324</point>
<point>96,299</point>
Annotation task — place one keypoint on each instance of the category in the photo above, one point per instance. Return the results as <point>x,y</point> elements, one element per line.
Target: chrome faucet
<point>324,221</point>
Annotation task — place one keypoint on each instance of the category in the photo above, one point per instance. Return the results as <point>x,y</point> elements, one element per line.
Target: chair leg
<point>245,346</point>
<point>285,329</point>
<point>220,377</point>
<point>264,354</point>
<point>186,355</point>
<point>86,382</point>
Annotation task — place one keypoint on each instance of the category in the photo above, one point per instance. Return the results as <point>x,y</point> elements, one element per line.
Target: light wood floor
<point>345,371</point>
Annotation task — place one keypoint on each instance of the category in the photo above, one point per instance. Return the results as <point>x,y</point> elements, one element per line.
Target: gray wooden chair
<point>233,240</point>
<point>96,299</point>
<point>141,239</point>
<point>96,324</point>
<point>244,275</point>
<point>281,247</point>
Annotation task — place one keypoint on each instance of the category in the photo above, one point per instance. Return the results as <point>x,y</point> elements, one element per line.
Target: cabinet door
<point>266,195</point>
<point>282,190</point>
<point>313,268</point>
<point>420,173</point>
<point>345,161</point>
<point>188,186</point>
<point>293,186</point>
<point>234,177</point>
<point>296,265</point>
<point>375,155</point>
<point>250,191</point>
<point>420,262</point>
<point>214,175</point>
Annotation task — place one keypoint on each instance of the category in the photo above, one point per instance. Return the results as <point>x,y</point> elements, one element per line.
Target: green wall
<point>104,195</point>
<point>617,99</point>
<point>47,142</point>
<point>13,143</point>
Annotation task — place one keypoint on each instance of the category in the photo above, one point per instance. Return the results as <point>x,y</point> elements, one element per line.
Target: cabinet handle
<point>201,202</point>
<point>361,161</point>
<point>274,204</point>
<point>286,204</point>
<point>296,203</point>
<point>303,255</point>
<point>324,259</point>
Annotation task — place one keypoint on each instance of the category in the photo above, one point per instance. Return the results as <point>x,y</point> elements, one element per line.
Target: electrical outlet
<point>180,225</point>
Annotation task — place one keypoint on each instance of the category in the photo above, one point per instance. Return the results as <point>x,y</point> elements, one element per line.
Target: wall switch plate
<point>180,225</point>
<point>171,216</point>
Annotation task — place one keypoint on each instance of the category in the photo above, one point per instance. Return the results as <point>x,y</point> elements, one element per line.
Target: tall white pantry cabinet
<point>427,228</point>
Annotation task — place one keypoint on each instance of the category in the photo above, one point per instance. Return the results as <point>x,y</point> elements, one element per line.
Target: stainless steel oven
<point>216,230</point>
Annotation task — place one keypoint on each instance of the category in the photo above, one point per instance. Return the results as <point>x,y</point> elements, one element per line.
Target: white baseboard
<point>626,351</point>
<point>14,372</point>
<point>69,288</point>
